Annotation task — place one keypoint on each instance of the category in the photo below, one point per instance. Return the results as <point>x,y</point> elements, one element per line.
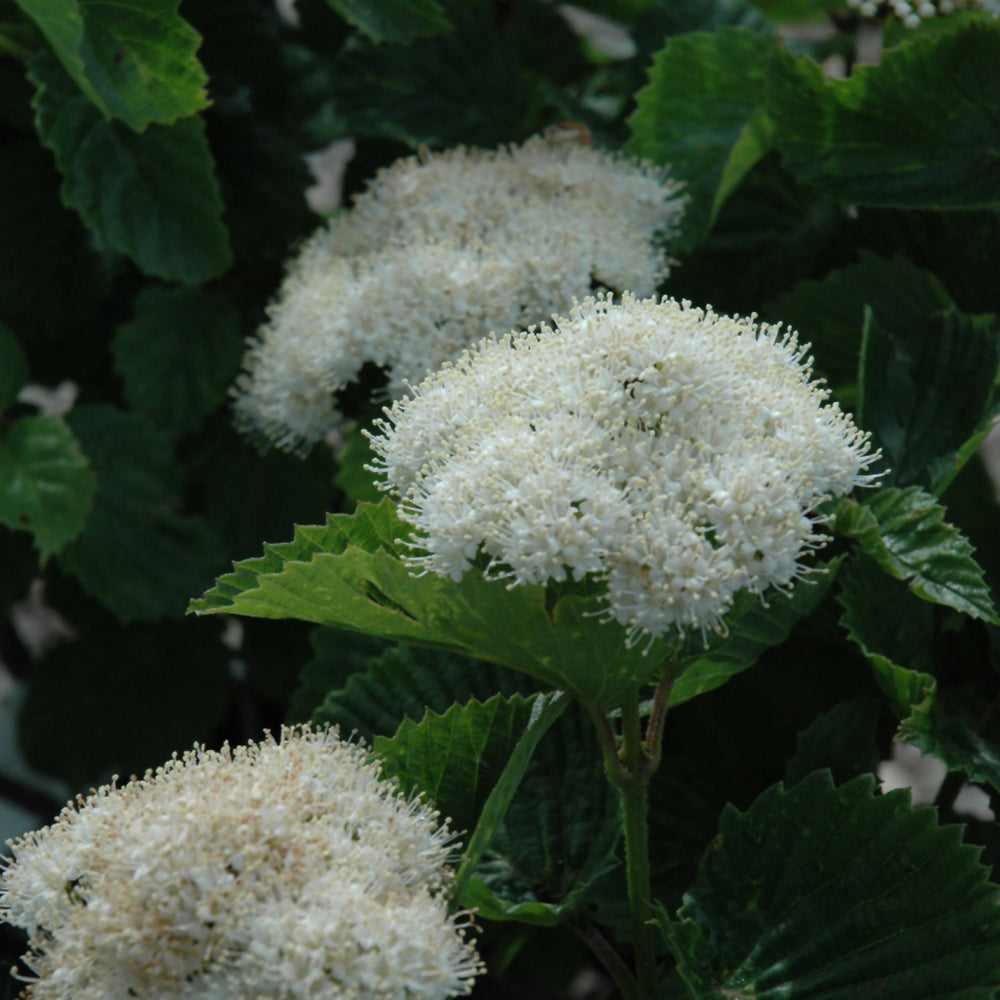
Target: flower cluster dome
<point>677,455</point>
<point>273,870</point>
<point>913,12</point>
<point>441,250</point>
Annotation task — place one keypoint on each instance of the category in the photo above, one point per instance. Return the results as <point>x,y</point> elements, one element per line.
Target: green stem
<point>634,790</point>
<point>602,950</point>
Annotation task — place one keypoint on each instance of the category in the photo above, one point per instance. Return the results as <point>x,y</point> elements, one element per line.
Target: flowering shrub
<point>675,454</point>
<point>278,870</point>
<point>644,598</point>
<point>468,242</point>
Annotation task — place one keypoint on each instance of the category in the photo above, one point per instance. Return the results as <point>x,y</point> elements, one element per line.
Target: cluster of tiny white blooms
<point>912,12</point>
<point>274,870</point>
<point>676,454</point>
<point>441,250</point>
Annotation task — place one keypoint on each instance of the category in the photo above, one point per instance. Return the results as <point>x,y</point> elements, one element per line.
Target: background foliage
<point>152,183</point>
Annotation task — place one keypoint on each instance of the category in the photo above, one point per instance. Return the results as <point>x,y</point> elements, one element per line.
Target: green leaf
<point>152,196</point>
<point>352,477</point>
<point>925,393</point>
<point>904,531</point>
<point>830,313</point>
<point>817,891</point>
<point>468,86</point>
<point>381,690</point>
<point>135,59</point>
<point>121,699</point>
<point>753,626</point>
<point>556,837</point>
<point>701,114</point>
<point>456,758</point>
<point>46,483</point>
<point>842,740</point>
<point>136,554</point>
<point>13,368</point>
<point>349,573</point>
<point>892,627</point>
<point>393,20</point>
<point>178,356</point>
<point>43,246</point>
<point>876,138</point>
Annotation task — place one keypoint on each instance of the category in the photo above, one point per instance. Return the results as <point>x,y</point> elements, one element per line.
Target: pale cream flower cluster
<point>676,454</point>
<point>441,250</point>
<point>275,870</point>
<point>913,12</point>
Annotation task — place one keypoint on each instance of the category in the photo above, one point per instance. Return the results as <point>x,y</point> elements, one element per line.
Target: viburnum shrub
<point>625,489</point>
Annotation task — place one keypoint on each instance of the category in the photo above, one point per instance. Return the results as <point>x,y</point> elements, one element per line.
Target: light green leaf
<point>701,114</point>
<point>551,841</point>
<point>136,553</point>
<point>817,891</point>
<point>152,196</point>
<point>177,356</point>
<point>878,138</point>
<point>13,368</point>
<point>904,531</point>
<point>753,626</point>
<point>135,59</point>
<point>46,483</point>
<point>926,391</point>
<point>349,573</point>
<point>393,20</point>
<point>456,758</point>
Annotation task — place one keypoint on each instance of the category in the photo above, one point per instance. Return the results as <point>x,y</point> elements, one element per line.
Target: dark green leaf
<point>373,695</point>
<point>349,573</point>
<point>753,626</point>
<point>702,115</point>
<point>876,138</point>
<point>152,196</point>
<point>904,531</point>
<point>263,178</point>
<point>13,368</point>
<point>925,392</point>
<point>842,740</point>
<point>464,87</point>
<point>46,483</point>
<point>837,893</point>
<point>122,699</point>
<point>456,759</point>
<point>393,20</point>
<point>136,554</point>
<point>135,59</point>
<point>557,836</point>
<point>830,313</point>
<point>177,356</point>
<point>43,246</point>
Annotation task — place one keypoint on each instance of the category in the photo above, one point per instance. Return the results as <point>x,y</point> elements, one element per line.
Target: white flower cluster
<point>913,12</point>
<point>441,250</point>
<point>275,870</point>
<point>675,454</point>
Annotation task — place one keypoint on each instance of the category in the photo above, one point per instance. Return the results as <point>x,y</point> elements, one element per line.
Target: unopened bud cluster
<point>441,250</point>
<point>674,454</point>
<point>276,870</point>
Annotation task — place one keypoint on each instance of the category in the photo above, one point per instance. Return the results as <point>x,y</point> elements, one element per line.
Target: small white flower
<point>677,455</point>
<point>277,870</point>
<point>441,250</point>
<point>924,9</point>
